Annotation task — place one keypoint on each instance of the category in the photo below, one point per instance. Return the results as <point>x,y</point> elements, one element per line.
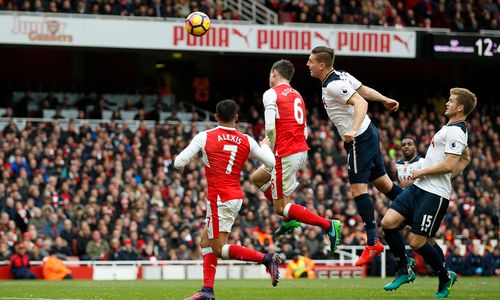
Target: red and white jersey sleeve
<point>289,111</point>
<point>196,145</point>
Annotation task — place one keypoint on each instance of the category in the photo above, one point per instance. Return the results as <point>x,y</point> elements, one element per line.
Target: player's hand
<point>417,174</point>
<point>391,104</point>
<point>349,135</point>
<point>265,141</point>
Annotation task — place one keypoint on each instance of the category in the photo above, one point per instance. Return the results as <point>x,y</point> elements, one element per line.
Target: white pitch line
<point>26,298</point>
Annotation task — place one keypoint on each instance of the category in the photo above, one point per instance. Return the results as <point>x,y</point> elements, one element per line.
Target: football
<point>197,23</point>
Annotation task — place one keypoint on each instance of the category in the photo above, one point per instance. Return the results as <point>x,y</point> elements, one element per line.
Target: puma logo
<point>406,43</point>
<point>321,37</point>
<point>241,35</point>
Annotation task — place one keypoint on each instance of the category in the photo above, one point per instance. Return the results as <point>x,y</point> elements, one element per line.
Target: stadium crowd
<point>460,15</point>
<point>111,193</point>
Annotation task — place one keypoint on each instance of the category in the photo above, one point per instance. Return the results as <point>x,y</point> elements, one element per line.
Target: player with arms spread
<point>225,150</point>
<point>285,117</point>
<point>424,203</point>
<point>344,100</point>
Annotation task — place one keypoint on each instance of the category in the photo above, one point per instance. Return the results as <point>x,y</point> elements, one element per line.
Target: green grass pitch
<point>370,288</point>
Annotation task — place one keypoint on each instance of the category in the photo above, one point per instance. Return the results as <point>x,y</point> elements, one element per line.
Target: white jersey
<point>450,139</point>
<point>338,87</point>
<point>405,168</point>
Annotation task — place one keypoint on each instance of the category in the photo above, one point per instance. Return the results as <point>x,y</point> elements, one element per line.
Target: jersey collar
<point>326,77</point>
<point>226,128</point>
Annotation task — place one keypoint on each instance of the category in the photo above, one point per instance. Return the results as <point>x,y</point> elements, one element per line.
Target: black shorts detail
<point>422,210</point>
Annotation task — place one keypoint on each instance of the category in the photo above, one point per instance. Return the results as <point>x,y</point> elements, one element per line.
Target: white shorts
<point>284,175</point>
<point>221,216</point>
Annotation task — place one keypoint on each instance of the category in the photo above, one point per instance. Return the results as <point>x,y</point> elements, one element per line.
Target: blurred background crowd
<point>457,15</point>
<point>109,191</point>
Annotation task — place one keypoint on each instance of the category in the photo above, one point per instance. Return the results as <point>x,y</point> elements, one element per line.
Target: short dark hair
<point>285,68</point>
<point>226,110</point>
<point>325,55</point>
<point>410,138</point>
<point>466,98</point>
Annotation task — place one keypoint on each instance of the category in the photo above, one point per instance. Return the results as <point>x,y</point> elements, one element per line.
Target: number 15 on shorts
<point>426,223</point>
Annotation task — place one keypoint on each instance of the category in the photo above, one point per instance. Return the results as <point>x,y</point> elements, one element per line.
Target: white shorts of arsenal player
<point>284,175</point>
<point>221,216</point>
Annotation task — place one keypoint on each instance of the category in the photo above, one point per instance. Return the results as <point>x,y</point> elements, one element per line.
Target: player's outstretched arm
<point>373,95</point>
<point>462,163</point>
<point>263,152</point>
<point>196,144</point>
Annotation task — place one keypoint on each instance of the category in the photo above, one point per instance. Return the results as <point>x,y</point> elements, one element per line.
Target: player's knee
<point>279,209</point>
<point>257,180</point>
<point>389,223</point>
<point>416,241</point>
<point>204,244</point>
<point>217,251</point>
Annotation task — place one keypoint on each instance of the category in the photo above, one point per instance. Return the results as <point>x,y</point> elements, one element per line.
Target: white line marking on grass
<point>26,298</point>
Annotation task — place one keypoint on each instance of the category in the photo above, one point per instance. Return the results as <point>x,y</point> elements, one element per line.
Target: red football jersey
<point>226,151</point>
<point>291,125</point>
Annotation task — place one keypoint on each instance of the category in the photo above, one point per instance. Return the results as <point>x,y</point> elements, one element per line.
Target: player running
<point>344,100</point>
<point>285,119</point>
<point>225,150</point>
<point>424,203</point>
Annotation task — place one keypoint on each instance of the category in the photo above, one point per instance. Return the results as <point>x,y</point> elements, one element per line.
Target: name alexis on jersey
<point>229,137</point>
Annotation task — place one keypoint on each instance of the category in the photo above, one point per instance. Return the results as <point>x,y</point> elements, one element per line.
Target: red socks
<point>242,253</point>
<point>304,215</point>
<point>209,267</point>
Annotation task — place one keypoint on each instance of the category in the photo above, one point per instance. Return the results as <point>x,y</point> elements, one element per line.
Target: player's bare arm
<point>373,95</point>
<point>446,166</point>
<point>360,109</point>
<point>462,163</point>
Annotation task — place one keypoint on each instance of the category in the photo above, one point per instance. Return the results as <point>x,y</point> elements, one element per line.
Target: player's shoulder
<point>418,158</point>
<point>269,96</point>
<point>400,162</point>
<point>458,125</point>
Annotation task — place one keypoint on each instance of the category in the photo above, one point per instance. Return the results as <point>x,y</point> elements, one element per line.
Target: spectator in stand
<point>20,264</point>
<point>474,263</point>
<point>54,227</point>
<point>61,247</point>
<point>97,248</point>
<point>128,252</point>
<point>455,261</point>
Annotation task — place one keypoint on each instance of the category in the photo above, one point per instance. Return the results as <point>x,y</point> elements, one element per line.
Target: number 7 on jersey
<point>233,149</point>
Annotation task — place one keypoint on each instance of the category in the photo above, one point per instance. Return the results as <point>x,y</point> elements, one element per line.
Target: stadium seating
<point>461,16</point>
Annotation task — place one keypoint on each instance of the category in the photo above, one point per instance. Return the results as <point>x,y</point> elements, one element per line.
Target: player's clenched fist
<point>349,135</point>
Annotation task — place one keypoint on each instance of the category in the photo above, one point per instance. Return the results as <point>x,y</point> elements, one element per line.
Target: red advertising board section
<point>78,272</point>
<point>323,271</point>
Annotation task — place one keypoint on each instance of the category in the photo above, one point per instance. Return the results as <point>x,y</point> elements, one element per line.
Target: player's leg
<point>210,248</point>
<point>263,179</point>
<point>283,184</point>
<point>286,183</point>
<point>385,185</point>
<point>227,213</point>
<point>429,212</point>
<point>400,210</point>
<point>433,243</point>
